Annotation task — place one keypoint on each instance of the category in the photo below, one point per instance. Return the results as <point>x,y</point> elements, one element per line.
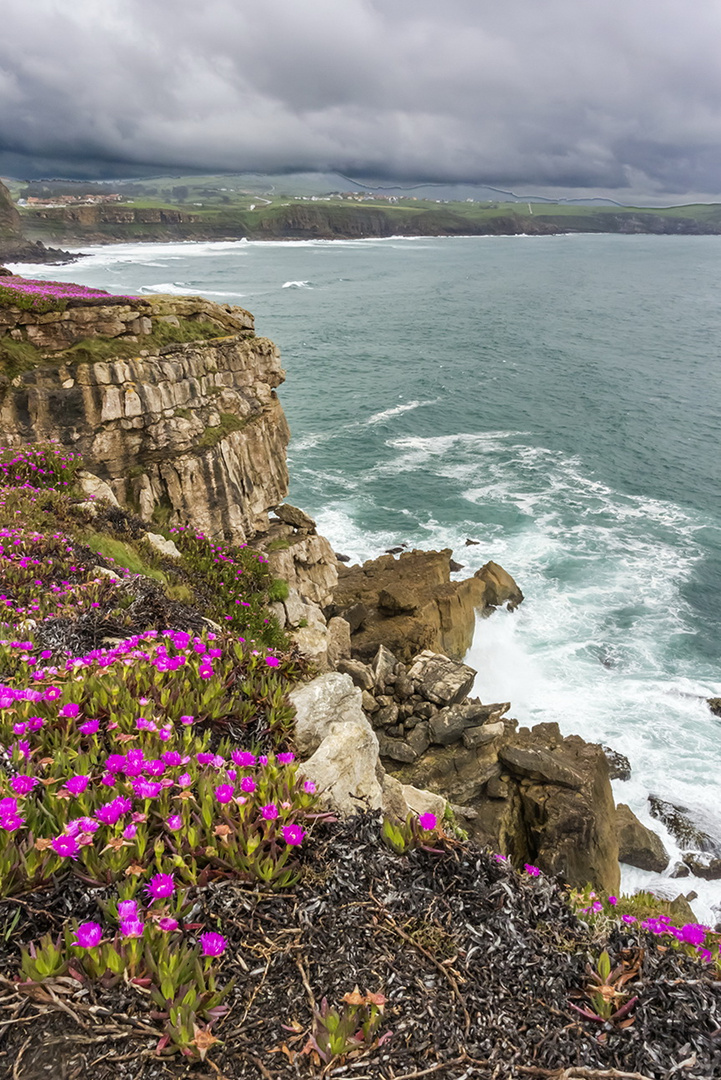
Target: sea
<point>557,401</point>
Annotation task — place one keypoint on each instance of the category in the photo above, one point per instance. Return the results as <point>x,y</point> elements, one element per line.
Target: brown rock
<point>291,515</point>
<point>359,673</point>
<point>412,604</point>
<point>637,845</point>
<point>500,586</point>
<point>441,680</point>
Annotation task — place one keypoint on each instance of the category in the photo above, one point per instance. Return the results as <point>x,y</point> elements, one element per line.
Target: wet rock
<point>473,543</point>
<point>714,704</point>
<point>619,767</point>
<point>291,515</point>
<point>680,870</point>
<point>441,680</point>
<point>683,824</point>
<point>703,865</point>
<point>637,845</point>
<point>456,566</point>
<point>341,558</point>
<point>497,788</point>
<point>500,587</point>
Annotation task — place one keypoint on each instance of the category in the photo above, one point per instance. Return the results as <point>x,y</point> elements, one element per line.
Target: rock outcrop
<point>637,845</point>
<point>14,247</point>
<point>189,433</point>
<point>410,604</point>
<point>534,795</point>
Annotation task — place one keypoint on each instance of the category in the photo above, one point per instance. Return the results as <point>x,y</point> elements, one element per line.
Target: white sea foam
<point>386,414</point>
<point>296,285</point>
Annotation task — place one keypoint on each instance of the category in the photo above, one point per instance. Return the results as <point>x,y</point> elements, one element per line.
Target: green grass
<point>123,554</point>
<point>213,435</point>
<point>19,356</point>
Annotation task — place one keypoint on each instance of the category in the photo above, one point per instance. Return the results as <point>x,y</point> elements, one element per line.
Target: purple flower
<point>172,758</point>
<point>76,784</point>
<point>147,789</point>
<point>161,886</point>
<point>272,661</point>
<point>224,793</point>
<point>285,759</point>
<point>168,925</point>
<point>130,832</point>
<point>128,909</point>
<point>71,709</point>
<point>597,906</point>
<point>132,928</point>
<point>11,822</point>
<point>269,812</point>
<point>88,935</point>
<point>115,763</point>
<point>427,821</point>
<point>204,758</point>
<point>693,934</point>
<point>243,758</point>
<point>309,787</point>
<point>22,785</point>
<point>175,822</point>
<point>212,944</point>
<point>613,900</point>
<point>532,870</point>
<point>187,719</point>
<point>185,780</point>
<point>628,919</point>
<point>65,846</point>
<point>293,835</point>
<point>90,727</point>
<point>248,785</point>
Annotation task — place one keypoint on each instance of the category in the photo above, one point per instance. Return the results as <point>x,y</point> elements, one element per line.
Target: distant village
<point>70,200</point>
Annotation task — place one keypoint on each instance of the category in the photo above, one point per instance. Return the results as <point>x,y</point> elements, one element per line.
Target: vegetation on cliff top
<point>169,884</point>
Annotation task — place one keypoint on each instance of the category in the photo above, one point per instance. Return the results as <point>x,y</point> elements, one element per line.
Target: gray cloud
<point>619,94</point>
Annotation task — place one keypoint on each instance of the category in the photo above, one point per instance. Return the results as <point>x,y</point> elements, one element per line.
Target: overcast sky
<point>618,95</point>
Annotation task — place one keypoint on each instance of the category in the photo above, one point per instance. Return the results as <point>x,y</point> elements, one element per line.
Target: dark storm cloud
<point>576,93</point>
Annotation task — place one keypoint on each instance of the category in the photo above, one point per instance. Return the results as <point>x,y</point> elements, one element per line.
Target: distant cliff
<point>14,246</point>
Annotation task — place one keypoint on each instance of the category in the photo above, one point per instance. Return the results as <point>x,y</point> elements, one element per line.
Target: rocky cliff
<point>14,246</point>
<point>190,432</point>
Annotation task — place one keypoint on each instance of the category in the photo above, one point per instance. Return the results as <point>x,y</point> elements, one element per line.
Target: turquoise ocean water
<point>557,399</point>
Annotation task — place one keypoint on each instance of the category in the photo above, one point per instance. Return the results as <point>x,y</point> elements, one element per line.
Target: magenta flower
<point>204,758</point>
<point>293,835</point>
<point>76,784</point>
<point>128,909</point>
<point>185,780</point>
<point>11,822</point>
<point>243,758</point>
<point>532,870</point>
<point>628,919</point>
<point>693,934</point>
<point>23,785</point>
<point>8,806</point>
<point>168,925</point>
<point>65,846</point>
<point>161,886</point>
<point>597,906</point>
<point>224,793</point>
<point>187,719</point>
<point>175,822</point>
<point>71,709</point>
<point>269,812</point>
<point>212,944</point>
<point>90,727</point>
<point>427,821</point>
<point>613,900</point>
<point>272,661</point>
<point>172,758</point>
<point>285,759</point>
<point>88,935</point>
<point>248,785</point>
<point>132,928</point>
<point>130,832</point>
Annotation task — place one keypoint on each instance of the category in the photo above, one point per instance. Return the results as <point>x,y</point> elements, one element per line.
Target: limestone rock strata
<point>410,603</point>
<point>193,434</point>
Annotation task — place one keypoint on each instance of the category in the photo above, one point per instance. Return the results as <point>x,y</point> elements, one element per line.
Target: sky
<point>621,97</point>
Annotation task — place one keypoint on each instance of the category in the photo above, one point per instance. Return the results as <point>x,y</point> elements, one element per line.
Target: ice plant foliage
<point>40,296</point>
<point>138,763</point>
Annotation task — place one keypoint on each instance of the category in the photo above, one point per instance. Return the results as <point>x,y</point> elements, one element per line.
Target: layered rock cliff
<point>14,246</point>
<point>187,433</point>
